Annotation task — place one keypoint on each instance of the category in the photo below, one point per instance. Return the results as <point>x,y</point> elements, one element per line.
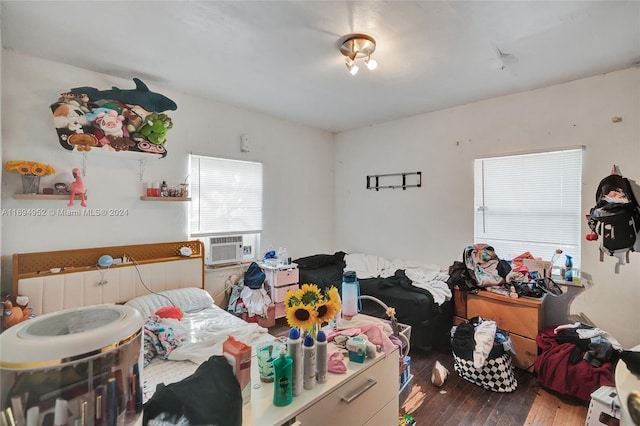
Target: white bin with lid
<point>77,366</point>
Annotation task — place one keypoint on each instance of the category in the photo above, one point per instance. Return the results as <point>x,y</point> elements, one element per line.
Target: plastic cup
<point>265,362</point>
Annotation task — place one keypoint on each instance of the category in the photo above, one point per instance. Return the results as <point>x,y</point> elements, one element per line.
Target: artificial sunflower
<point>29,168</point>
<point>308,307</point>
<point>309,294</point>
<point>302,316</point>
<point>326,311</point>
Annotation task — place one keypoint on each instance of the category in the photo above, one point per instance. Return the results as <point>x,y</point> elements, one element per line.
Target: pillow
<point>170,312</point>
<point>188,299</point>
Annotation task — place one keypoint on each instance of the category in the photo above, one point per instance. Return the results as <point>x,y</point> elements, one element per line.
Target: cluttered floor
<point>458,402</point>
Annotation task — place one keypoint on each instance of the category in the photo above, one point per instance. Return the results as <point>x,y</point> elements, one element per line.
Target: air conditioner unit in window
<point>224,250</point>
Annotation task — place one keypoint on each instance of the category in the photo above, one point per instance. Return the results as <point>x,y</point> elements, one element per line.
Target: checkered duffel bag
<point>497,372</point>
<point>495,375</point>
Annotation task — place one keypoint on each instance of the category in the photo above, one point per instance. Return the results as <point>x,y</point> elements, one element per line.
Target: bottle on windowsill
<point>164,189</point>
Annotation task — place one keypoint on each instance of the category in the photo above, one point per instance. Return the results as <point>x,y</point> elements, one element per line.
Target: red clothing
<point>556,373</point>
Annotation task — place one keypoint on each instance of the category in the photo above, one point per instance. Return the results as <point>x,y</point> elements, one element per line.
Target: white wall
<point>434,223</point>
<point>298,168</point>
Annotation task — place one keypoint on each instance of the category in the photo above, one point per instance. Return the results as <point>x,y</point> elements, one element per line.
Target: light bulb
<point>353,69</point>
<point>372,64</point>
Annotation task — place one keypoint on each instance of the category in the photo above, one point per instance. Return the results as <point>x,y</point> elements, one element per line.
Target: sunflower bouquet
<point>308,308</point>
<point>29,168</point>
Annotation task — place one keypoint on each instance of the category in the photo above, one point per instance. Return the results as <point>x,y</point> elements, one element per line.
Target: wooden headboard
<point>57,280</point>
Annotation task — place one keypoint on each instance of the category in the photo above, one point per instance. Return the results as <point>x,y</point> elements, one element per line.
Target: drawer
<point>278,293</point>
<point>526,352</point>
<point>514,317</point>
<point>387,416</point>
<point>279,278</point>
<point>379,387</point>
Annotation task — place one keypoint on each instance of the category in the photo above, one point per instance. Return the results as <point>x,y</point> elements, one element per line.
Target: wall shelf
<point>395,180</point>
<point>46,197</point>
<point>145,198</point>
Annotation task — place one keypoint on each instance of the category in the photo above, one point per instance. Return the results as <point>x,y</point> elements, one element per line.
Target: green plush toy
<point>154,129</point>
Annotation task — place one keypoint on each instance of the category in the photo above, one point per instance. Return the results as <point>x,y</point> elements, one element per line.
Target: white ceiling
<point>282,58</point>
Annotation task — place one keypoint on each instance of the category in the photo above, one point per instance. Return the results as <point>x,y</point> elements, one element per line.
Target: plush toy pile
<point>114,120</point>
<point>15,310</point>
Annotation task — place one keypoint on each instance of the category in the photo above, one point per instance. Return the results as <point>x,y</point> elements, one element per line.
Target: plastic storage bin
<point>77,366</point>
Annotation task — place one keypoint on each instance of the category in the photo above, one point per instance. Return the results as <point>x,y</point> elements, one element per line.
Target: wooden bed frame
<point>57,280</point>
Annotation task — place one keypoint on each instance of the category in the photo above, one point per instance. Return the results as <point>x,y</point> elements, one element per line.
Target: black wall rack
<point>377,181</point>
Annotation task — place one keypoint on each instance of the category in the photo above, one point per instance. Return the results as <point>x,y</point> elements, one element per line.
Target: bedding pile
<point>418,292</point>
<point>427,277</point>
<point>186,343</point>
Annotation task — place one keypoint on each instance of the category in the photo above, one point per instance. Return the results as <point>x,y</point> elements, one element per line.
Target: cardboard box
<point>604,408</point>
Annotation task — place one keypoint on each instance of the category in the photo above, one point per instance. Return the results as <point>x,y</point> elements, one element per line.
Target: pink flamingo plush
<point>76,187</point>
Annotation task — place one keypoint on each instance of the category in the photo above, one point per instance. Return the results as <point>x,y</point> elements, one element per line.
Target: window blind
<point>226,196</point>
<point>530,202</point>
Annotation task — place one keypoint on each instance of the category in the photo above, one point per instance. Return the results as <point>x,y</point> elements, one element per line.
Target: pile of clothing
<point>249,295</point>
<point>576,359</point>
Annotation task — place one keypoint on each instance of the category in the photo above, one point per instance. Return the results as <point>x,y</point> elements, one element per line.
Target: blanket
<point>427,277</point>
<point>556,372</point>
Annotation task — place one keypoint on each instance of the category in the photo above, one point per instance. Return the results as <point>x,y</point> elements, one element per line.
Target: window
<point>226,199</point>
<point>530,202</point>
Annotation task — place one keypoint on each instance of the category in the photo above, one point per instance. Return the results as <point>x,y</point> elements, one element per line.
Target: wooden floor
<point>459,402</point>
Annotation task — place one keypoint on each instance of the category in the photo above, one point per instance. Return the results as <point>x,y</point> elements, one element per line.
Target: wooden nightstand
<point>522,318</point>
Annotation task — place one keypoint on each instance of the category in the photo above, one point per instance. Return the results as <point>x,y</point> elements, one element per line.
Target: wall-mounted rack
<point>409,180</point>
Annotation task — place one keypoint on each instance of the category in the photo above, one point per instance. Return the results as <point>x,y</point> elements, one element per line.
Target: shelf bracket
<point>84,164</point>
<point>143,164</point>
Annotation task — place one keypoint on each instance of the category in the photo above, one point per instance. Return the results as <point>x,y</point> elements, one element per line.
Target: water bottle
<point>568,264</point>
<point>350,294</point>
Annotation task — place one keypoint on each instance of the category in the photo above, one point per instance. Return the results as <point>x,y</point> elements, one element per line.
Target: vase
<point>30,184</point>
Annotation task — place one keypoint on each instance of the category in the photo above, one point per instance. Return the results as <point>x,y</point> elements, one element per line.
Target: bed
<point>399,284</point>
<point>157,275</point>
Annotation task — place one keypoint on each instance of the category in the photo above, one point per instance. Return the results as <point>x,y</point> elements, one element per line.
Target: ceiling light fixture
<point>358,46</point>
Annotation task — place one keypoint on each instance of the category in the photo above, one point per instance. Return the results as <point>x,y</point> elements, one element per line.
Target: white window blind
<point>226,196</point>
<point>530,202</point>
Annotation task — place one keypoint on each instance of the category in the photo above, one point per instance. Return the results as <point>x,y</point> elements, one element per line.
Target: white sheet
<point>204,333</point>
<point>428,277</point>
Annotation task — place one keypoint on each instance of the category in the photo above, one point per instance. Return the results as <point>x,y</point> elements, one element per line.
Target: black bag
<point>460,277</point>
<point>254,277</point>
<point>615,217</point>
<point>210,396</point>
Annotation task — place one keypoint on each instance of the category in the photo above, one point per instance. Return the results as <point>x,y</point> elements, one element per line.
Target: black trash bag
<point>210,396</point>
<point>254,277</point>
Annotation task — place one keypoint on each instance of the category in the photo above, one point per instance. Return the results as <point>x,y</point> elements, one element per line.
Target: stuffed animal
<point>141,95</point>
<point>15,310</point>
<point>120,144</point>
<point>82,141</point>
<point>154,129</point>
<point>76,188</point>
<point>134,117</point>
<point>108,123</point>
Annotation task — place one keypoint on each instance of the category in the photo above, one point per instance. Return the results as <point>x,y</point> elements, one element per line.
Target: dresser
<point>366,395</point>
<point>522,318</point>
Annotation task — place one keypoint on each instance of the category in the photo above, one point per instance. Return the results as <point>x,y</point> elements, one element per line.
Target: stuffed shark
<point>141,95</point>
